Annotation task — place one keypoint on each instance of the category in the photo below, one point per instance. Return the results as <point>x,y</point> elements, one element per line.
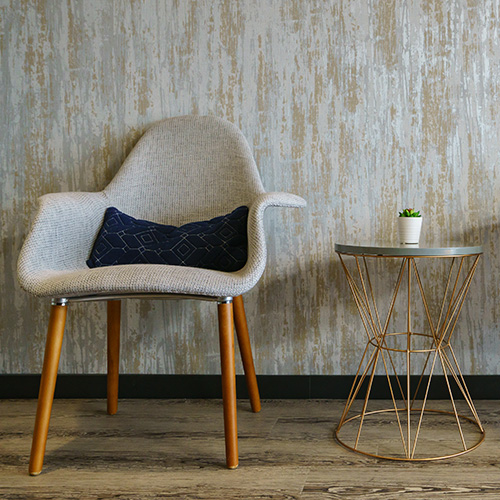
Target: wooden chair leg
<point>226,337</point>
<point>47,386</point>
<point>240,321</point>
<point>114,313</point>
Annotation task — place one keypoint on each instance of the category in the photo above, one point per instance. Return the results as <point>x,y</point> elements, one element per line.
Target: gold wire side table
<point>432,348</point>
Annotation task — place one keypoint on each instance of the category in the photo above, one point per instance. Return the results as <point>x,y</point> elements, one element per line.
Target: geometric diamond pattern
<point>220,243</point>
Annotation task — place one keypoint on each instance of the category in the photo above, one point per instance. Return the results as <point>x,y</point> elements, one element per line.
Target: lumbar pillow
<point>220,243</point>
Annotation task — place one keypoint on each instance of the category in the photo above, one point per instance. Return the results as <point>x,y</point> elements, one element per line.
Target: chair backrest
<point>186,169</point>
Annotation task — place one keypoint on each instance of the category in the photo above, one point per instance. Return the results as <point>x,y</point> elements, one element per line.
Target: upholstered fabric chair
<point>182,170</point>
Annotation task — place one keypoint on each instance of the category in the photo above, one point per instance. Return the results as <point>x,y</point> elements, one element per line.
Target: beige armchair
<point>182,170</point>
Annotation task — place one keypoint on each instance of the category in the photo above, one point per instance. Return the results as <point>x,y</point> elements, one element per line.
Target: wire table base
<point>435,349</point>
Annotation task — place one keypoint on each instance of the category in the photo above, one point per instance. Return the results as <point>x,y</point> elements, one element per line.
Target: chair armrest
<point>62,234</point>
<point>257,252</point>
<point>275,199</point>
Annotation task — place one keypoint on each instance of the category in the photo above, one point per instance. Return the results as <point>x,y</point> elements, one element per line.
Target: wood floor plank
<point>389,492</point>
<point>190,482</point>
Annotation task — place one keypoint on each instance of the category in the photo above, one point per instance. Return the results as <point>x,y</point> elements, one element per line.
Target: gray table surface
<point>388,249</point>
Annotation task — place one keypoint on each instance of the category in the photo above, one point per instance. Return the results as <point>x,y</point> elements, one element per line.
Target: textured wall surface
<point>362,107</point>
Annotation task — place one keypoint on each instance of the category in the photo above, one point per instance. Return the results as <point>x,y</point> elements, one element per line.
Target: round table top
<point>385,249</point>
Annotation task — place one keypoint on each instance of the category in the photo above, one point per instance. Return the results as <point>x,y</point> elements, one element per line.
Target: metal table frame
<point>440,348</point>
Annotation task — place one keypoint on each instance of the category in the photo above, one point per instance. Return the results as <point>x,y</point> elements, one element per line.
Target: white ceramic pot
<point>409,229</point>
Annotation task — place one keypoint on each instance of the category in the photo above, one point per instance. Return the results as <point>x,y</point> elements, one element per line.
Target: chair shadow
<point>163,435</point>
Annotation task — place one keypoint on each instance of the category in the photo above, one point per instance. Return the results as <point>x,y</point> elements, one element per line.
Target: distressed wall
<point>362,107</point>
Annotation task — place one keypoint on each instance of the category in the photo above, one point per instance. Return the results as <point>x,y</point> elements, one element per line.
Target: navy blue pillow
<point>220,243</point>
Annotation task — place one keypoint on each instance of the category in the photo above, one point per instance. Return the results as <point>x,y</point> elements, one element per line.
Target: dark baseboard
<point>209,386</point>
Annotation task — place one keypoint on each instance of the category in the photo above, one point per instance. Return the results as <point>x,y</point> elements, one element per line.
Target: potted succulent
<point>409,226</point>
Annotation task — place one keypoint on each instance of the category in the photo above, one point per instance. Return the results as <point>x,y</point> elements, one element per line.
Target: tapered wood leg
<point>226,337</point>
<point>240,321</point>
<point>114,313</point>
<point>47,386</point>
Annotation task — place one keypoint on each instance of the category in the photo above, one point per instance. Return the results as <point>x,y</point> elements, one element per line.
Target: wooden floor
<point>174,449</point>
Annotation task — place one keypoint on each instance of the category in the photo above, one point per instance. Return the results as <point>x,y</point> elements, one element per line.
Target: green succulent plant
<point>409,212</point>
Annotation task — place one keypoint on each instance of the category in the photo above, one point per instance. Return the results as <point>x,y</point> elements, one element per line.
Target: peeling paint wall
<point>362,107</point>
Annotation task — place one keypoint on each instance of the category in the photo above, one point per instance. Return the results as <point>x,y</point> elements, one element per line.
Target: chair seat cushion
<point>219,244</point>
